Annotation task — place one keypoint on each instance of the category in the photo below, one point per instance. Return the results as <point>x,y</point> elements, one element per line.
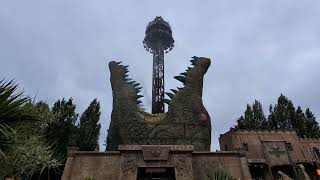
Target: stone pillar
<point>129,166</point>
<point>183,166</point>
<point>270,172</point>
<point>69,164</point>
<point>245,167</point>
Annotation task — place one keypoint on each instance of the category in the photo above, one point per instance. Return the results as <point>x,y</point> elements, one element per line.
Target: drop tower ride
<point>158,40</point>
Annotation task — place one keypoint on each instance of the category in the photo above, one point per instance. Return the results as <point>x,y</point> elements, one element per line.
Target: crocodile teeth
<point>138,89</point>
<point>167,101</point>
<point>170,95</point>
<point>136,84</point>
<point>174,91</point>
<point>180,78</point>
<point>184,73</point>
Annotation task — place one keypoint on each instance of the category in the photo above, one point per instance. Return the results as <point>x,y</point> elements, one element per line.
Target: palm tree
<point>219,175</point>
<point>23,149</point>
<point>10,113</point>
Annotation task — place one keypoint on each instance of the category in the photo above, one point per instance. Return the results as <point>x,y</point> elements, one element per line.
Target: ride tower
<point>158,40</point>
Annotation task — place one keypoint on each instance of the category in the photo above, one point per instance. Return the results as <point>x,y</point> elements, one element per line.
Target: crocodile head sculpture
<point>187,121</point>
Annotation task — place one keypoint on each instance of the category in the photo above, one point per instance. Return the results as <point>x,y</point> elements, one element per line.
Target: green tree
<point>248,116</point>
<point>24,150</point>
<point>311,125</point>
<point>244,122</point>
<point>241,123</point>
<point>281,114</point>
<point>298,122</point>
<point>219,175</point>
<point>61,132</point>
<point>11,104</point>
<point>89,128</point>
<point>259,118</point>
<point>30,156</point>
<point>284,116</point>
<point>253,117</point>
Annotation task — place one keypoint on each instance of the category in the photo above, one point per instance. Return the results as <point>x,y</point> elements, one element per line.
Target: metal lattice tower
<point>158,40</point>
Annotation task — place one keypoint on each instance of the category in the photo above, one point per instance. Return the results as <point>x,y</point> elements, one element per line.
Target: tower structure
<point>158,40</point>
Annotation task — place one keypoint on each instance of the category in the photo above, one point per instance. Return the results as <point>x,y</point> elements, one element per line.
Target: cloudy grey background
<point>61,48</point>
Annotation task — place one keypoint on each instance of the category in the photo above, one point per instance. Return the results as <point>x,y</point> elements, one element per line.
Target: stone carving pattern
<point>183,167</point>
<point>206,166</point>
<point>128,166</point>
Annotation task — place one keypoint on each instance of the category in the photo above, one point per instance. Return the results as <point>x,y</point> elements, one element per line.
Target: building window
<point>245,146</point>
<point>289,146</point>
<point>226,147</point>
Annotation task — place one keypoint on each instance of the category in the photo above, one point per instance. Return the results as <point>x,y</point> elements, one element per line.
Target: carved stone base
<point>126,163</point>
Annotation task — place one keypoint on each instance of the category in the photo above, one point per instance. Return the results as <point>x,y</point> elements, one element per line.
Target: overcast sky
<point>259,49</point>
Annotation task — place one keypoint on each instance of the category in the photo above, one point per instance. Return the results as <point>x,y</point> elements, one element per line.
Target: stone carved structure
<point>271,151</point>
<point>283,176</point>
<point>176,144</point>
<point>186,122</point>
<point>171,146</point>
<point>125,163</point>
<point>301,171</point>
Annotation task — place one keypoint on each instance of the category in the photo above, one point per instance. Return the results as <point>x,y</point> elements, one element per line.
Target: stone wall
<point>299,149</point>
<point>94,165</point>
<point>274,150</point>
<point>233,163</point>
<point>309,147</point>
<point>124,164</point>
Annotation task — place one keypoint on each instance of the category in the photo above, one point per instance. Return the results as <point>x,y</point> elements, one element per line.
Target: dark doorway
<point>286,169</point>
<point>259,171</point>
<point>156,173</point>
<point>311,170</point>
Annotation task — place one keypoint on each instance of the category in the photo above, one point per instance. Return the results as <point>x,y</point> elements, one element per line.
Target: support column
<point>69,164</point>
<point>158,82</point>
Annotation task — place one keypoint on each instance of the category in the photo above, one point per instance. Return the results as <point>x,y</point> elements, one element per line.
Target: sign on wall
<point>276,153</point>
